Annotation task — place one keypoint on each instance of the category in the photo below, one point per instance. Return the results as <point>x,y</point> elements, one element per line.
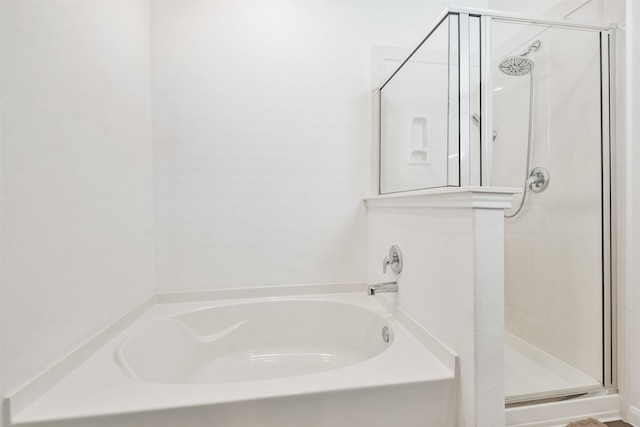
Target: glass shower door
<point>550,118</point>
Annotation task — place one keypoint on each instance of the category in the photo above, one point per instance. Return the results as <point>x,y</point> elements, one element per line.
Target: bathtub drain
<point>385,334</point>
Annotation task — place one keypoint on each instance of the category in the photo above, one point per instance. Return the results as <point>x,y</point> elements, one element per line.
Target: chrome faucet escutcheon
<point>393,260</point>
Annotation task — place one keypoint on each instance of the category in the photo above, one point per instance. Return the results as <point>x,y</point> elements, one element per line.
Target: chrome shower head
<point>519,65</point>
<point>516,66</point>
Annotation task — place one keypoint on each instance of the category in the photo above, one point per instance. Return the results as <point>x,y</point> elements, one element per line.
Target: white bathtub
<point>315,360</point>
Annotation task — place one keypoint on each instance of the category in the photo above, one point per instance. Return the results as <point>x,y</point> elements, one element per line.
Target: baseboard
<point>634,416</point>
<point>559,414</point>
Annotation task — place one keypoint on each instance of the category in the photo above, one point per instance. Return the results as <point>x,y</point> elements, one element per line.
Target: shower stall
<point>493,99</point>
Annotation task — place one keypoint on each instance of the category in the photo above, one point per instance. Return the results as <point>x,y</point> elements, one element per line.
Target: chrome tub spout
<point>382,287</point>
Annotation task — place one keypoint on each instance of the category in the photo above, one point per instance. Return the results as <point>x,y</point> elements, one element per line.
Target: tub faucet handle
<point>394,259</point>
<point>385,262</point>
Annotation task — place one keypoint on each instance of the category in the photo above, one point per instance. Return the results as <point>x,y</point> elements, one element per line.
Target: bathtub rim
<point>17,402</point>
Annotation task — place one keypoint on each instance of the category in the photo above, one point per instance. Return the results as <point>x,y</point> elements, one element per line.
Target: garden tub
<point>335,359</point>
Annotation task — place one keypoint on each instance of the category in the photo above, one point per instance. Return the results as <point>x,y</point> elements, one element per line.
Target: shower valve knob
<point>538,179</point>
<point>393,260</point>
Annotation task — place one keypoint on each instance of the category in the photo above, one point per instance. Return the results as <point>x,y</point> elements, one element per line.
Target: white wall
<point>76,183</point>
<point>632,242</point>
<point>262,118</point>
<point>2,412</point>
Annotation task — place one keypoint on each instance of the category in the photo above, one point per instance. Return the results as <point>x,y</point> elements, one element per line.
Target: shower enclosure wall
<point>490,99</point>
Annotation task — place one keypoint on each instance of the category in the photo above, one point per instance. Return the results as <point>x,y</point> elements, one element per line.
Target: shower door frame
<point>485,158</point>
<point>475,157</point>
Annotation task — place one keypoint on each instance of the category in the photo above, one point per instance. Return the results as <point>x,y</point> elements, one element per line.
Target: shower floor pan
<point>151,372</point>
<point>529,370</point>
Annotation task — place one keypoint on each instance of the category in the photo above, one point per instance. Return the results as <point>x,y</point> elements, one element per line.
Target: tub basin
<point>246,342</point>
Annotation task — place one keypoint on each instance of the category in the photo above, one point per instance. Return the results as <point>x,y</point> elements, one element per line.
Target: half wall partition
<point>492,99</point>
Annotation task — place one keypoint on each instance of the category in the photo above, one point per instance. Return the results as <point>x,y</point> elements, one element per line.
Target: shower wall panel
<point>414,117</point>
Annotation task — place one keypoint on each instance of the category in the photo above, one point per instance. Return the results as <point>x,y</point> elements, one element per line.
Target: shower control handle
<point>393,260</point>
<point>538,179</point>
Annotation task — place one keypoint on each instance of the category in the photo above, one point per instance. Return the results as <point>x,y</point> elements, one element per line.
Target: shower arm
<point>476,120</point>
<point>532,48</point>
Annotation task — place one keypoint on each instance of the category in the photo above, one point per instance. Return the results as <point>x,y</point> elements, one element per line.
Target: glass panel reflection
<point>416,116</point>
